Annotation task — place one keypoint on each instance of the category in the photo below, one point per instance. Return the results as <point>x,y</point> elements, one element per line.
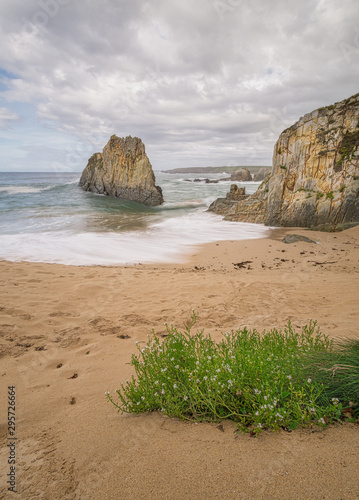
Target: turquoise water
<point>46,217</point>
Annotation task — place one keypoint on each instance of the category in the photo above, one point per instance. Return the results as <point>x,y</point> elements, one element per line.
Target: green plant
<point>279,151</point>
<point>338,372</point>
<point>342,188</point>
<point>331,121</point>
<point>283,167</point>
<point>329,196</point>
<point>319,195</point>
<point>349,145</point>
<point>254,379</point>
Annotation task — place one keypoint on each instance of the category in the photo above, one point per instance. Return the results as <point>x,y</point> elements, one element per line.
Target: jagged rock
<point>294,238</point>
<point>236,193</point>
<point>261,174</point>
<point>316,169</point>
<point>224,206</point>
<point>314,181</point>
<point>122,170</point>
<point>242,175</point>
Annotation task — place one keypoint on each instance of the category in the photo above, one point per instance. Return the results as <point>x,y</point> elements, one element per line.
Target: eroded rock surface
<point>315,175</point>
<point>242,174</point>
<point>122,170</point>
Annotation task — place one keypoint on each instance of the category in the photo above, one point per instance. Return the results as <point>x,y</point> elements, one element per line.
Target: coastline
<point>59,321</point>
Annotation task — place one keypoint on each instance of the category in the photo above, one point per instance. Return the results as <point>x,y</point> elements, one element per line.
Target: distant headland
<point>213,170</point>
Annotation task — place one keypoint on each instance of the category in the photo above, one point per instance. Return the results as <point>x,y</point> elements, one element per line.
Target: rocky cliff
<point>314,180</point>
<point>122,170</point>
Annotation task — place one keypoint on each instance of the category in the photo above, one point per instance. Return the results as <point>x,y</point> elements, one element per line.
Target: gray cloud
<point>210,82</point>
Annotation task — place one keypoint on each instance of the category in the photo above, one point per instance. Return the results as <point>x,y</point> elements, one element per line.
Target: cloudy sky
<point>201,82</point>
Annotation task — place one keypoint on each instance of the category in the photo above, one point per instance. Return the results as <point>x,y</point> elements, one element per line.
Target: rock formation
<point>261,174</point>
<point>243,175</point>
<point>222,206</point>
<point>122,170</point>
<point>315,175</point>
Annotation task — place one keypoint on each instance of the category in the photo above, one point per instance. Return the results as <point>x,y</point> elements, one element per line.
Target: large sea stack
<point>315,175</point>
<point>122,170</point>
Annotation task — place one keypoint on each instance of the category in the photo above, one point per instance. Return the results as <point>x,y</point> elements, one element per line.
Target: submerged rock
<point>122,170</point>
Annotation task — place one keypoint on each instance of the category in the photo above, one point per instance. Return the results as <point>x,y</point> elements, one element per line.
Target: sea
<point>47,217</point>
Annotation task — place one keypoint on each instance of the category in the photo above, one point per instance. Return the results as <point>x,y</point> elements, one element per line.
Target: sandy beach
<point>67,335</point>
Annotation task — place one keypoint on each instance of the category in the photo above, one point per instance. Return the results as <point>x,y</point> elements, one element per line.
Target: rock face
<point>315,175</point>
<point>243,174</point>
<point>261,174</point>
<point>222,206</point>
<point>122,170</point>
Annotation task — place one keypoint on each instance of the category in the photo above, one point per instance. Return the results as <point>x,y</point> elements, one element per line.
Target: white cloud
<point>200,82</point>
<point>7,118</point>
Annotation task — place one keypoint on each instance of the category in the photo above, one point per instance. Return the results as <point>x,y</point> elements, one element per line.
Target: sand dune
<point>67,335</point>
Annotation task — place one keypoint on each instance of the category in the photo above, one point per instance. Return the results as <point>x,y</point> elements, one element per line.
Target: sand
<point>67,335</point>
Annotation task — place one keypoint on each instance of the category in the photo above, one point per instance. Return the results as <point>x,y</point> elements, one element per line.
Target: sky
<point>202,83</point>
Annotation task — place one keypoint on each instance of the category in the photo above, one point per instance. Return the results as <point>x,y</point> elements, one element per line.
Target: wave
<point>170,240</point>
<point>24,189</point>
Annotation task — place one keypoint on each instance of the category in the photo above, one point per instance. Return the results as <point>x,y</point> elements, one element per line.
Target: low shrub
<point>258,380</point>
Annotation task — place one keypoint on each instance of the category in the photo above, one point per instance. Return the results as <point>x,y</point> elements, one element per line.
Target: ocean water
<point>46,217</point>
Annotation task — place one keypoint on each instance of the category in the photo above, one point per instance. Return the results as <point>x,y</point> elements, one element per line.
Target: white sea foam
<point>170,240</point>
<point>23,189</point>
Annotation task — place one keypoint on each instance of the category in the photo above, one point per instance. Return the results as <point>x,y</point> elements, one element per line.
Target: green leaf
<point>293,425</point>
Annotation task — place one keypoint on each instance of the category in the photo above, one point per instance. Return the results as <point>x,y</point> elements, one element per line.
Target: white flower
<point>156,383</point>
<point>185,398</point>
<point>218,370</point>
<point>156,394</point>
<point>177,366</point>
<point>309,380</point>
<point>143,398</point>
<point>172,359</point>
<point>163,391</point>
<point>335,401</point>
<point>205,378</point>
<point>265,398</point>
<point>230,382</point>
<point>106,393</point>
<point>175,386</point>
<point>257,413</point>
<point>259,425</point>
<point>256,391</point>
<point>312,410</point>
<point>289,377</point>
<point>321,421</point>
<point>197,381</point>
